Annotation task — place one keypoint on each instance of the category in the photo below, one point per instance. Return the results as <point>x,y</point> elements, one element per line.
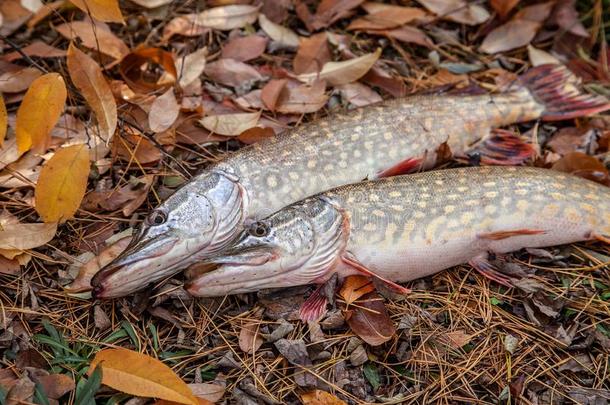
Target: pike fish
<point>406,227</point>
<point>397,136</point>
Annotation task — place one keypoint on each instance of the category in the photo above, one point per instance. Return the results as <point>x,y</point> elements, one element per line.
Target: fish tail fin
<point>555,87</point>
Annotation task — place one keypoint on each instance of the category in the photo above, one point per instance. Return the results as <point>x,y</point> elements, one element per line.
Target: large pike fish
<point>406,227</point>
<point>397,136</point>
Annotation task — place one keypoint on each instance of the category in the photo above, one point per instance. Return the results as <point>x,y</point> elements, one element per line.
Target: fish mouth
<point>137,251</point>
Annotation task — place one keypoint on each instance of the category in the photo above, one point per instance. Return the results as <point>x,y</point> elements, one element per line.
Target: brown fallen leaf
<point>319,397</point>
<point>102,10</point>
<point>62,184</point>
<point>256,134</point>
<point>132,69</point>
<point>280,34</point>
<point>338,73</point>
<point>9,267</point>
<point>354,287</point>
<point>567,18</point>
<point>369,319</point>
<point>141,375</point>
<point>514,34</point>
<point>457,10</point>
<point>87,76</point>
<point>163,111</point>
<point>271,92</point>
<point>408,34</point>
<point>328,12</point>
<point>46,10</point>
<point>582,165</point>
<point>539,57</point>
<point>209,391</point>
<point>232,73</point>
<point>129,197</point>
<point>183,25</point>
<point>243,49</point>
<point>249,338</point>
<point>40,109</point>
<point>3,121</point>
<point>358,94</point>
<point>36,48</point>
<point>295,99</point>
<point>230,124</point>
<point>26,236</point>
<point>191,66</point>
<point>131,145</point>
<point>18,80</point>
<point>228,17</point>
<point>503,7</point>
<point>151,4</point>
<point>96,37</point>
<point>385,16</point>
<point>456,339</point>
<point>56,385</point>
<point>313,53</point>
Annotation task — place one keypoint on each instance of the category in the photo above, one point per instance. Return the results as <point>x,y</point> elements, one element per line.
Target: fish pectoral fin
<point>356,265</point>
<point>499,235</point>
<point>503,147</point>
<point>485,268</point>
<point>315,306</point>
<point>407,166</point>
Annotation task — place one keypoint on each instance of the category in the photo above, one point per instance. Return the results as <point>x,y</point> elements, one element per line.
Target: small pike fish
<point>397,136</point>
<point>406,227</point>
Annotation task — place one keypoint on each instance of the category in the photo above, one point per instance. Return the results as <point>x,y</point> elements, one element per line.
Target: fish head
<point>194,223</point>
<point>295,246</point>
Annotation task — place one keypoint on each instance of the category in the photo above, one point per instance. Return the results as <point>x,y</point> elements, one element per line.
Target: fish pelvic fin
<point>503,148</point>
<point>559,91</point>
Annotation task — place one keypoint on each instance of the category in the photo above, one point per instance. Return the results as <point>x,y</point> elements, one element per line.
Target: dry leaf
<point>141,375</point>
<point>97,37</point>
<point>513,34</point>
<point>141,69</point>
<point>3,121</point>
<point>327,13</point>
<point>302,99</point>
<point>249,338</point>
<point>313,53</point>
<point>102,10</point>
<point>228,17</point>
<point>26,236</point>
<point>408,34</point>
<point>243,49</point>
<point>256,134</point>
<point>369,319</point>
<point>19,80</point>
<point>358,94</point>
<point>338,73</point>
<point>87,76</point>
<point>190,67</point>
<point>457,10</point>
<point>385,16</point>
<point>232,73</point>
<point>56,385</point>
<point>152,3</point>
<point>583,165</point>
<point>271,92</point>
<point>230,124</point>
<point>62,184</point>
<point>503,7</point>
<point>39,112</point>
<point>163,112</point>
<point>319,397</point>
<point>9,153</point>
<point>36,48</point>
<point>539,57</point>
<point>355,287</point>
<point>284,36</point>
<point>456,339</point>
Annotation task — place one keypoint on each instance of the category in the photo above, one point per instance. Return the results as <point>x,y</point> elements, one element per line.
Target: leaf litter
<point>149,100</point>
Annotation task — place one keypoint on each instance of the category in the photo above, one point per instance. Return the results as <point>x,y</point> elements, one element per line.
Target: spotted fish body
<point>407,227</point>
<point>204,216</point>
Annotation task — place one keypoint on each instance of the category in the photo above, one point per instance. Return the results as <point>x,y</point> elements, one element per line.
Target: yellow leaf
<point>103,10</point>
<point>40,109</point>
<point>319,397</point>
<point>87,76</point>
<point>3,120</point>
<point>137,374</point>
<point>62,184</point>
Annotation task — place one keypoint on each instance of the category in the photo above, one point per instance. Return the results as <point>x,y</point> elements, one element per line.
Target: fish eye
<point>259,229</point>
<point>157,218</point>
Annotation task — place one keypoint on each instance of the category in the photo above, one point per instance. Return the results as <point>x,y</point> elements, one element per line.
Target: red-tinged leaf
<point>191,67</point>
<point>457,10</point>
<point>243,49</point>
<point>102,10</point>
<point>18,80</point>
<point>567,18</point>
<point>56,385</point>
<point>582,165</point>
<point>354,287</point>
<point>62,184</point>
<point>503,7</point>
<point>313,53</point>
<point>280,34</point>
<point>327,13</point>
<point>87,76</point>
<point>512,35</point>
<point>14,15</point>
<point>97,37</point>
<point>37,48</point>
<point>228,17</point>
<point>384,16</point>
<point>163,112</point>
<point>379,78</point>
<point>82,282</point>
<point>183,25</point>
<point>408,34</point>
<point>3,121</point>
<point>130,145</point>
<point>26,236</point>
<point>337,73</point>
<point>249,338</point>
<point>141,375</point>
<point>127,198</point>
<point>39,112</point>
<point>369,319</point>
<point>230,124</point>
<point>271,92</point>
<point>132,66</point>
<point>302,99</point>
<point>358,94</point>
<point>9,267</point>
<point>256,134</point>
<point>232,73</point>
<point>456,339</point>
<point>319,397</point>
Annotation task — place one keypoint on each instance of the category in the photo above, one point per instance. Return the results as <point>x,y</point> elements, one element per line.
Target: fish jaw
<point>199,220</point>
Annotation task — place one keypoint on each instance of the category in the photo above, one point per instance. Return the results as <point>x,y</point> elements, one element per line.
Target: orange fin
<point>499,235</point>
<point>601,238</point>
<point>355,264</point>
<point>482,265</point>
<point>405,167</point>
<point>503,147</point>
<point>314,306</point>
